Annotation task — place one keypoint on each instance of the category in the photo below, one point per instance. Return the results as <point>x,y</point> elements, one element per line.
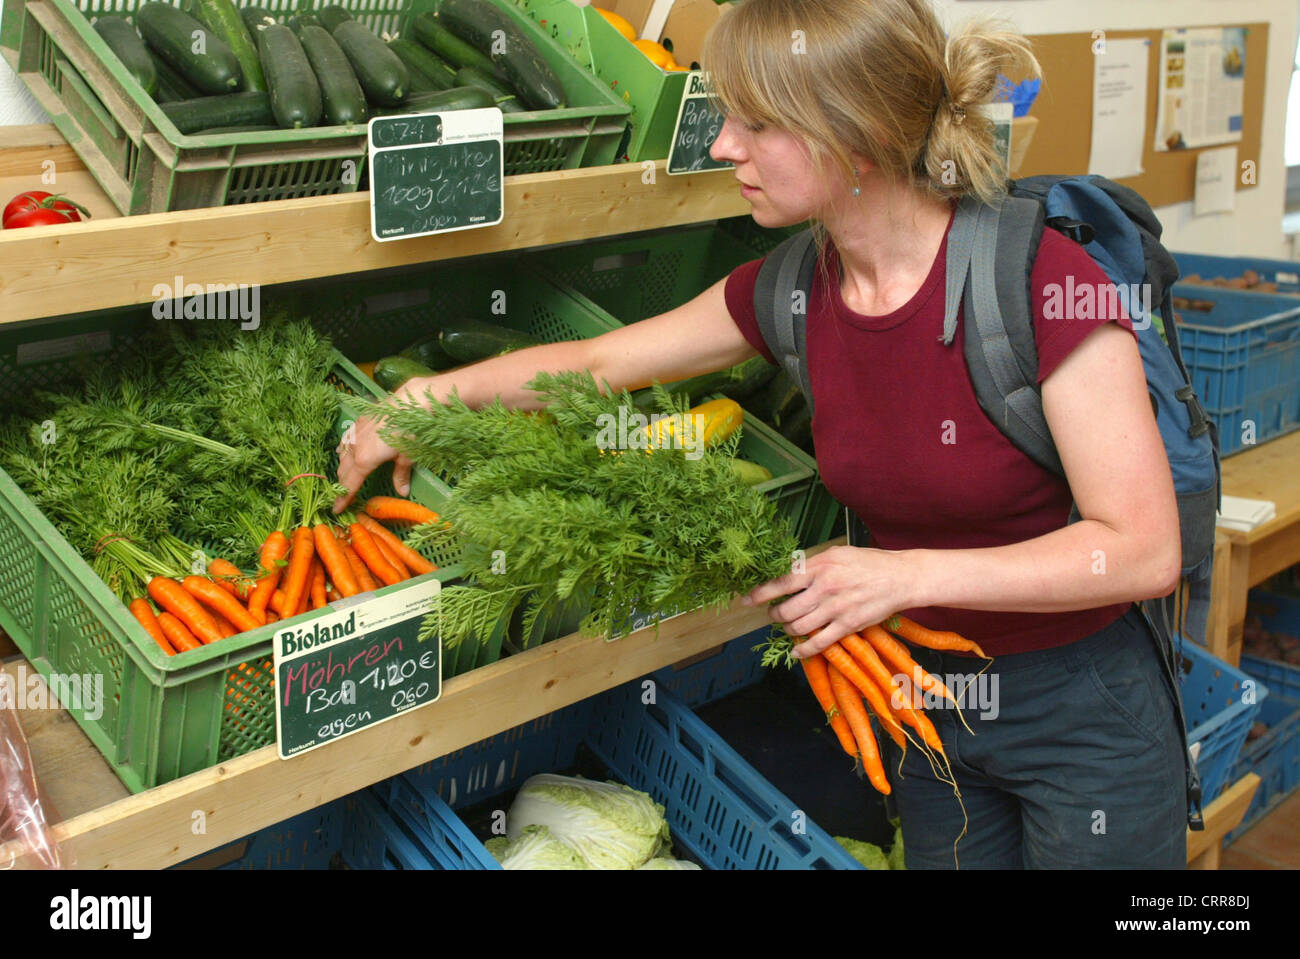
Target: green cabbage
<point>534,848</point>
<point>609,825</point>
<point>664,862</point>
<point>870,855</point>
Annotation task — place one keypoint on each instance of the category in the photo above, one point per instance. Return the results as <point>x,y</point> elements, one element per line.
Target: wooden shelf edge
<point>60,270</point>
<point>1222,816</point>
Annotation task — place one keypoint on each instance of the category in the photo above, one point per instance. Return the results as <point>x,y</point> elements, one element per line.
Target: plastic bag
<point>22,815</point>
<point>1021,95</point>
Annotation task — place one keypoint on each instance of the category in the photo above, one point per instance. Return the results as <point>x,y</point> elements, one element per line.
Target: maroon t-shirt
<point>902,441</point>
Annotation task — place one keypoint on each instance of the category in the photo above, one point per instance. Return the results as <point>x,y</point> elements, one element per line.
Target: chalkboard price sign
<point>435,172</point>
<point>699,121</point>
<point>354,666</point>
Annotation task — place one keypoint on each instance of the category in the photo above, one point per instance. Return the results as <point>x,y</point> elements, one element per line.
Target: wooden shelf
<point>111,262</point>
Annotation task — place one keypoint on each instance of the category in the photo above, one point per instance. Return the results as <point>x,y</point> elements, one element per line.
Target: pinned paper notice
<point>1119,108</point>
<point>1216,181</point>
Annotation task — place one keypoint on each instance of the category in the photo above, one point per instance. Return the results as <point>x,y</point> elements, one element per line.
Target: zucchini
<point>392,371</point>
<point>332,15</point>
<point>692,388</point>
<point>747,378</point>
<point>428,352</point>
<point>222,18</point>
<point>381,72</point>
<point>171,85</point>
<point>441,101</point>
<point>777,400</point>
<point>254,19</point>
<point>130,49</point>
<point>450,47</point>
<point>170,33</point>
<point>478,22</point>
<point>305,19</point>
<point>466,339</point>
<point>342,100</point>
<point>797,428</point>
<point>295,92</point>
<point>250,108</point>
<point>426,70</point>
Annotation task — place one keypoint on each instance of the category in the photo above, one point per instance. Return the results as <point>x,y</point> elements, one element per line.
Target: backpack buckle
<point>1200,419</point>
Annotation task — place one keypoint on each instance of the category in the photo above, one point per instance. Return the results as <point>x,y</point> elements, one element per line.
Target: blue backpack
<point>990,257</point>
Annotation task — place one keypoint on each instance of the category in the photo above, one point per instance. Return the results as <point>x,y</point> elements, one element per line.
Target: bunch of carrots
<point>874,666</point>
<point>318,564</point>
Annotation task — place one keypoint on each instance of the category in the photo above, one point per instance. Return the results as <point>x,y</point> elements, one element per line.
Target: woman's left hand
<point>838,591</point>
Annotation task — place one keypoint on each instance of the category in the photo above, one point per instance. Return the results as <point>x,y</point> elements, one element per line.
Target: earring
<point>857,190</point>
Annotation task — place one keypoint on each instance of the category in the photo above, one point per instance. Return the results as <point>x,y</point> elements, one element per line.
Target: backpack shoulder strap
<point>781,295</point>
<point>1001,352</point>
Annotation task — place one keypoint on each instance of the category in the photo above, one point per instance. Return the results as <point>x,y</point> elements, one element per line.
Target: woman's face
<point>776,173</point>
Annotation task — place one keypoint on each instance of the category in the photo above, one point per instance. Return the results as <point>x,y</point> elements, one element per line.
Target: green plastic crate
<point>146,165</point>
<point>163,716</point>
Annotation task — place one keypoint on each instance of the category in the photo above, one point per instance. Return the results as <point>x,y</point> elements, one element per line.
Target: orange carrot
<point>180,637</point>
<point>365,579</point>
<point>224,626</point>
<point>272,616</point>
<point>277,602</point>
<point>416,563</point>
<point>143,612</point>
<point>896,655</point>
<point>230,578</point>
<point>395,509</point>
<point>866,657</point>
<point>335,563</point>
<point>219,601</point>
<point>317,583</point>
<point>332,594</point>
<point>850,704</point>
<point>174,598</point>
<point>297,578</point>
<point>274,550</point>
<point>814,667</point>
<point>837,656</point>
<point>931,639</point>
<point>365,546</point>
<point>389,555</point>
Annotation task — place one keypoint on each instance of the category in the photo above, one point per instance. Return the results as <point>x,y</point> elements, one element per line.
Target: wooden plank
<point>78,184</point>
<point>155,829</point>
<point>97,265</point>
<point>1222,816</point>
<point>1274,553</point>
<point>24,150</point>
<point>1217,630</point>
<point>1270,471</point>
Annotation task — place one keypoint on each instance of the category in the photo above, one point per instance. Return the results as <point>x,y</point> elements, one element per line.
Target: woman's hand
<point>360,453</point>
<point>838,591</point>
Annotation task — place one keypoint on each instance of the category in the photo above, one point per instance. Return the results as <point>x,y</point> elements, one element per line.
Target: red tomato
<point>40,216</point>
<point>38,200</point>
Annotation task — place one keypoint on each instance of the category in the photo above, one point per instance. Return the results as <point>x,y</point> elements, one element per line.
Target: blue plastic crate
<point>306,841</point>
<point>379,836</point>
<point>1275,756</point>
<point>1285,273</point>
<point>704,679</point>
<point>1280,614</point>
<point>1243,356</point>
<point>722,813</point>
<point>1220,704</point>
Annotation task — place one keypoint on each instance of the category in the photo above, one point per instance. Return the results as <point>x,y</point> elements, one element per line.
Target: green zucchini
<point>428,352</point>
<point>171,85</point>
<point>426,70</point>
<point>295,92</point>
<point>222,18</point>
<point>305,19</point>
<point>255,18</point>
<point>467,339</point>
<point>392,371</point>
<point>342,99</point>
<point>170,33</point>
<point>450,47</point>
<point>796,427</point>
<point>332,15</point>
<point>777,400</point>
<point>747,378</point>
<point>381,72</point>
<point>457,98</point>
<point>480,23</point>
<point>130,49</point>
<point>250,108</point>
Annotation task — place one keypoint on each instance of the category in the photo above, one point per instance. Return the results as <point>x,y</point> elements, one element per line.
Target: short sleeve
<point>1071,297</point>
<point>740,304</point>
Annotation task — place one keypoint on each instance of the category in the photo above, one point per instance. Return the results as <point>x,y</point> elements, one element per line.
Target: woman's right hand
<point>361,452</point>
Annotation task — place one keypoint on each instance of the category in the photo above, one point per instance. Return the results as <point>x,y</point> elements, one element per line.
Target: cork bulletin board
<point>1062,143</point>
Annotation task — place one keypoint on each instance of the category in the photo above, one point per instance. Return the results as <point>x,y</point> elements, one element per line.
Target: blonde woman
<point>861,116</point>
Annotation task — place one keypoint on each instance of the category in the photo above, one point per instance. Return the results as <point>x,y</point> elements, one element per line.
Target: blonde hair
<point>875,78</point>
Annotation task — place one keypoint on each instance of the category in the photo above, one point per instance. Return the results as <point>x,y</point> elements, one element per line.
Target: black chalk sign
<point>357,664</point>
<point>699,121</point>
<point>435,172</point>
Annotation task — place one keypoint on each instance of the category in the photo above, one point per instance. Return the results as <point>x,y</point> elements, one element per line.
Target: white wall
<point>1255,227</point>
<point>16,103</point>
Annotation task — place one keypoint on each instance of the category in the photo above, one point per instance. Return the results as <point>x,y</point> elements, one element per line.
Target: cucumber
<point>450,47</point>
<point>797,428</point>
<point>428,352</point>
<point>478,22</point>
<point>222,18</point>
<point>441,101</point>
<point>392,371</point>
<point>747,378</point>
<point>251,128</point>
<point>305,19</point>
<point>342,99</point>
<point>171,33</point>
<point>427,71</point>
<point>171,85</point>
<point>778,399</point>
<point>466,339</point>
<point>255,18</point>
<point>381,72</point>
<point>295,92</point>
<point>505,98</point>
<point>250,108</point>
<point>130,49</point>
<point>332,15</point>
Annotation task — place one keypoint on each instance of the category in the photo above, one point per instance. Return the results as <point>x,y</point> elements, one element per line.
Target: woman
<point>859,115</point>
